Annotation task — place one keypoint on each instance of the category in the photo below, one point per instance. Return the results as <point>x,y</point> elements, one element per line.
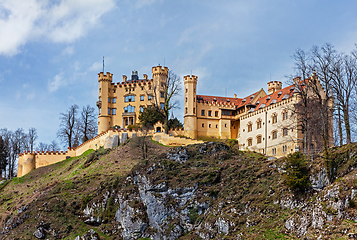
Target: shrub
<point>232,142</point>
<point>297,172</point>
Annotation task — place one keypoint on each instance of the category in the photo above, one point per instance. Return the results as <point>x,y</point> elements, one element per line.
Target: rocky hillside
<point>205,191</point>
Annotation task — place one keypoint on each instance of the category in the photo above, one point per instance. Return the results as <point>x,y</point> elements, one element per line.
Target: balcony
<point>126,114</point>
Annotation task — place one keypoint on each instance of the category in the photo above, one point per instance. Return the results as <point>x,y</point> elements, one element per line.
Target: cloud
<point>55,83</point>
<point>96,67</point>
<point>145,3</point>
<point>68,51</point>
<point>62,21</point>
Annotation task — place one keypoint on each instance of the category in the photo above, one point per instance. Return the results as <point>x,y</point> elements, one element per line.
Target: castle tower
<point>28,163</point>
<point>159,76</point>
<point>104,119</point>
<point>274,86</point>
<point>190,119</point>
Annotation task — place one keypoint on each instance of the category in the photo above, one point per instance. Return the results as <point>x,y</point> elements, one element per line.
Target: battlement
<point>105,77</point>
<point>274,86</point>
<point>190,78</point>
<point>159,70</point>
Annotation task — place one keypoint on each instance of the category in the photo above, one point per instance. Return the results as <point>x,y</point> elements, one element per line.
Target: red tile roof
<point>238,102</point>
<point>279,95</point>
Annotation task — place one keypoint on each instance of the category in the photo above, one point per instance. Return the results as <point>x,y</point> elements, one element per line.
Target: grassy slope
<point>232,182</point>
<point>55,193</point>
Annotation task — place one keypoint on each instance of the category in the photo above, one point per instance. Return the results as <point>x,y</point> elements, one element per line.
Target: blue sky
<point>51,51</point>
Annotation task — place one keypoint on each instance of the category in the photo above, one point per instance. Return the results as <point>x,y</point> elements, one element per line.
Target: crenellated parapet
<point>159,70</point>
<point>190,79</point>
<point>105,77</point>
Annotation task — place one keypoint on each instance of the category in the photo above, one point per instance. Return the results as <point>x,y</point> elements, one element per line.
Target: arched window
<point>285,132</point>
<point>250,142</point>
<point>194,110</point>
<point>259,139</point>
<point>274,118</point>
<point>129,109</point>
<point>250,126</point>
<point>274,134</point>
<point>259,123</point>
<point>186,99</point>
<point>285,115</point>
<point>186,110</point>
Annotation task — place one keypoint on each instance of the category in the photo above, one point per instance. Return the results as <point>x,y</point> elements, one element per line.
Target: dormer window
<point>215,99</point>
<point>257,102</point>
<point>228,100</point>
<point>252,96</point>
<point>279,93</point>
<point>243,101</point>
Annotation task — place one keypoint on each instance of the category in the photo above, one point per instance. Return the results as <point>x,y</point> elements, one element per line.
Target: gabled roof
<point>276,97</point>
<point>238,102</point>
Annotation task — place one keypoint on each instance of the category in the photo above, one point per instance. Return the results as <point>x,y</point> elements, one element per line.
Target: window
<point>275,134</point>
<point>274,118</point>
<point>203,125</point>
<point>225,125</point>
<point>142,88</point>
<point>209,125</point>
<point>186,110</point>
<point>285,132</point>
<point>149,97</point>
<point>130,98</point>
<point>126,122</point>
<point>186,90</point>
<point>273,151</point>
<point>108,111</point>
<point>216,125</point>
<point>162,94</point>
<point>108,99</point>
<point>186,100</point>
<point>285,115</point>
<point>259,139</point>
<point>114,111</point>
<point>216,113</point>
<point>250,127</point>
<point>100,111</point>
<point>114,100</point>
<point>129,109</point>
<point>259,124</point>
<point>141,109</point>
<point>250,142</point>
<point>162,105</point>
<point>194,110</point>
<point>113,90</point>
<point>209,113</point>
<point>202,112</point>
<point>285,149</point>
<point>142,98</point>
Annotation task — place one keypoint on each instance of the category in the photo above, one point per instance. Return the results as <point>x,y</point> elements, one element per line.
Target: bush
<point>297,172</point>
<point>232,142</point>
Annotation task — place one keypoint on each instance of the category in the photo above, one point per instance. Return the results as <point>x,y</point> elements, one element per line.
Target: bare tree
<point>31,137</point>
<point>43,147</point>
<point>68,126</point>
<point>88,123</point>
<point>53,146</point>
<point>3,157</point>
<point>164,94</point>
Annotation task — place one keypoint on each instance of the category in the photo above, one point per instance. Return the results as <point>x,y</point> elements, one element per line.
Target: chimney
<point>235,95</point>
<point>274,86</point>
<point>296,80</point>
<point>124,78</point>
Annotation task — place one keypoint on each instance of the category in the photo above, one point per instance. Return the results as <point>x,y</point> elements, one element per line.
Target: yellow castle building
<point>260,122</point>
<point>120,104</point>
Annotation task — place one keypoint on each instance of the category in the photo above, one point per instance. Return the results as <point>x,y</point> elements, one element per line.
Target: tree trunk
<point>340,127</point>
<point>346,119</point>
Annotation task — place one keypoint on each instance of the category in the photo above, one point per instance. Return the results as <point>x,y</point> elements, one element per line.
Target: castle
<point>260,122</point>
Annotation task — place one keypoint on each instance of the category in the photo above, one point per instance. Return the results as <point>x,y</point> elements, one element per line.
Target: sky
<point>51,51</point>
